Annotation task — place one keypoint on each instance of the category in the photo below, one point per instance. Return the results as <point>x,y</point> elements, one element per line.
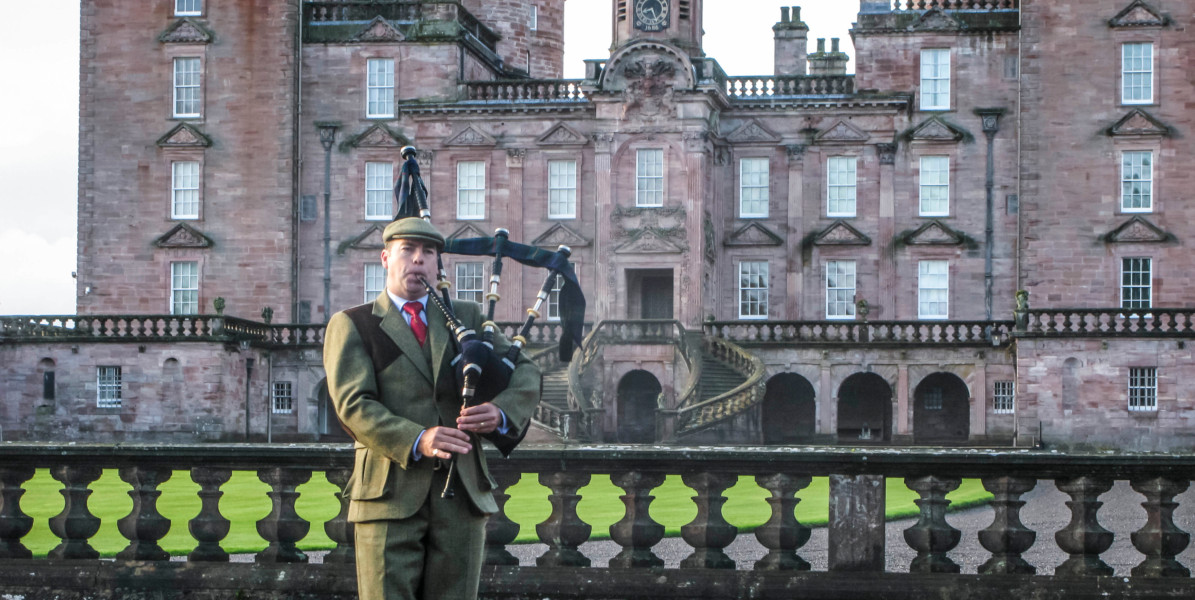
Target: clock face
<point>651,15</point>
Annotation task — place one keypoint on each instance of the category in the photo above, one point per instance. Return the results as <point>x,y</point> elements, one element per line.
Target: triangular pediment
<point>470,137</point>
<point>562,135</point>
<point>1138,230</point>
<point>843,133</point>
<point>186,31</point>
<point>936,129</point>
<point>370,239</point>
<point>184,135</point>
<point>935,20</point>
<point>378,135</point>
<point>466,231</point>
<point>1138,123</point>
<point>648,241</point>
<point>560,235</point>
<point>183,236</point>
<point>840,233</point>
<point>1139,14</point>
<point>753,234</point>
<point>753,132</point>
<point>934,233</point>
<point>379,30</point>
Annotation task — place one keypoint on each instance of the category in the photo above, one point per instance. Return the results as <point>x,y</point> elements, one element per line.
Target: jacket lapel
<point>438,335</point>
<point>396,327</point>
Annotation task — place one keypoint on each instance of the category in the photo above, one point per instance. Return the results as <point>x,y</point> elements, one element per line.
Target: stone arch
<point>789,414</point>
<point>46,382</point>
<point>864,410</point>
<point>612,77</point>
<point>638,393</point>
<point>941,410</point>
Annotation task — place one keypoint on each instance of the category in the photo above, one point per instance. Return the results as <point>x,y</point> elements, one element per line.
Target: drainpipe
<point>327,137</point>
<point>991,124</point>
<point>248,380</point>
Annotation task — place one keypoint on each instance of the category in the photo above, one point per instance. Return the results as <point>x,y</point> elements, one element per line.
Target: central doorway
<point>649,294</point>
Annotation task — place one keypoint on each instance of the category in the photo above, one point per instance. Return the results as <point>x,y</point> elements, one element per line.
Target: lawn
<point>245,502</point>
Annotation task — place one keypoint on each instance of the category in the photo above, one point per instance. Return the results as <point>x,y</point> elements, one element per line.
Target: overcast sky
<point>39,71</point>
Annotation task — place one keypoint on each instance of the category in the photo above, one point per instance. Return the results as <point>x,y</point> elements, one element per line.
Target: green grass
<point>245,502</point>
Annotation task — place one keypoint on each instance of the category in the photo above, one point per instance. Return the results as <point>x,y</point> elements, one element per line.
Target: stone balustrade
<point>562,568</point>
<point>957,4</point>
<point>525,90</point>
<point>1110,322</point>
<point>768,86</point>
<point>905,333</point>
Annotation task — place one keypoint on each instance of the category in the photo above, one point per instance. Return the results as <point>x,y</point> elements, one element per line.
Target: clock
<point>651,15</point>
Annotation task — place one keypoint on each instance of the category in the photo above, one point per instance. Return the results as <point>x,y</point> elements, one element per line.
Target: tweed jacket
<point>387,397</point>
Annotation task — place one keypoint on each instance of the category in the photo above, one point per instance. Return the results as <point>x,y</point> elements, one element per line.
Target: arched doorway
<point>864,410</point>
<point>637,394</point>
<point>789,413</point>
<point>941,410</point>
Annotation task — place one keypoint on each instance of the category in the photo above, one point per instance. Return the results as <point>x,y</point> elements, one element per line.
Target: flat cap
<point>413,228</point>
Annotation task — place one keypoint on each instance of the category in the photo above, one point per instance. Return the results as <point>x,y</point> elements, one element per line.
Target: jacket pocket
<point>371,472</point>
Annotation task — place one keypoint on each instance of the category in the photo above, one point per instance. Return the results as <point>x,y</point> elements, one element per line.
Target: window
<point>284,399</point>
<point>933,398</point>
<point>935,79</point>
<point>184,288</point>
<point>188,8</point>
<point>533,22</point>
<point>107,387</point>
<point>379,88</point>
<point>933,289</point>
<point>1136,181</point>
<point>470,190</point>
<point>935,186</point>
<point>562,189</point>
<point>1136,73</point>
<point>753,290</point>
<point>184,190</point>
<point>840,186</point>
<point>186,87</point>
<point>649,178</point>
<point>1143,388</point>
<point>1004,397</point>
<point>375,281</point>
<point>554,296</point>
<point>470,281</point>
<point>753,188</point>
<point>840,289</point>
<point>1136,283</point>
<point>379,176</point>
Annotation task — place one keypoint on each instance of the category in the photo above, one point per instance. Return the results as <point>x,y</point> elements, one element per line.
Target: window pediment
<point>841,233</point>
<point>370,239</point>
<point>184,136</point>
<point>648,241</point>
<point>1138,123</point>
<point>467,231</point>
<point>186,31</point>
<point>843,133</point>
<point>753,132</point>
<point>379,30</point>
<point>1139,14</point>
<point>377,135</point>
<point>935,20</point>
<point>470,137</point>
<point>562,135</point>
<point>560,234</point>
<point>1138,230</point>
<point>935,233</point>
<point>936,130</point>
<point>183,236</point>
<point>753,234</point>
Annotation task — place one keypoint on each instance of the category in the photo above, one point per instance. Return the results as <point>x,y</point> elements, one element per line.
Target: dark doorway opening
<point>649,293</point>
<point>637,394</point>
<point>864,410</point>
<point>789,414</point>
<point>941,410</point>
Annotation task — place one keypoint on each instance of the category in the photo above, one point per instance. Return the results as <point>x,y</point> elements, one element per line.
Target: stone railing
<point>528,90</point>
<point>1110,322</point>
<point>853,565</point>
<point>769,86</point>
<point>957,4</point>
<point>542,333</point>
<point>406,11</point>
<point>694,414</point>
<point>960,333</point>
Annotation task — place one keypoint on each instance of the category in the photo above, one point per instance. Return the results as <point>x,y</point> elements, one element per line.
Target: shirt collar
<point>399,302</point>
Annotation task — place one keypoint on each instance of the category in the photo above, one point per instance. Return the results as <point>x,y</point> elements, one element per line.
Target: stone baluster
<point>637,533</point>
<point>1006,538</point>
<point>1159,539</point>
<point>283,526</point>
<point>75,524</point>
<point>709,532</point>
<point>1083,538</point>
<point>500,530</point>
<point>144,525</point>
<point>932,537</point>
<point>782,535</point>
<point>339,529</point>
<point>564,531</point>
<point>14,524</point>
<point>209,527</point>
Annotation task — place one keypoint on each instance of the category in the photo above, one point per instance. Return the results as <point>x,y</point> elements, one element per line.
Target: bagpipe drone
<point>480,372</point>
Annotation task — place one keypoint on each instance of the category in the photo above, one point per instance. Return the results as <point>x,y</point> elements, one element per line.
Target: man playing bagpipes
<point>408,381</point>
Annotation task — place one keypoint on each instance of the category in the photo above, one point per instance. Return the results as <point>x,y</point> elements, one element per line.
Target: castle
<point>976,238</point>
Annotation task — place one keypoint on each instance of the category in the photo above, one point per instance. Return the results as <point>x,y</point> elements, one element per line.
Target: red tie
<point>418,327</point>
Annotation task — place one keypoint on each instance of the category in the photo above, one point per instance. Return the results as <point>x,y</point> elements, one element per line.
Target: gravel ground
<point>1045,512</point>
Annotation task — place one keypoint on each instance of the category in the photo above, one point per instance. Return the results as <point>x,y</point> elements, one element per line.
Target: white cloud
<point>37,274</point>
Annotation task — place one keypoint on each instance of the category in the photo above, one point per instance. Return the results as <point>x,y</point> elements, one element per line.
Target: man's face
<point>407,262</point>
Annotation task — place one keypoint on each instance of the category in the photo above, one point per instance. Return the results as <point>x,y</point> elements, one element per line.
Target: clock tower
<point>677,22</point>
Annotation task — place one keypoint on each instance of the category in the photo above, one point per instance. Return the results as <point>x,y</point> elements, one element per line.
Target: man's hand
<point>483,418</point>
<point>443,442</point>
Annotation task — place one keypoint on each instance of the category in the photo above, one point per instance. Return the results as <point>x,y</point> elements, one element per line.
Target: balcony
<point>562,568</point>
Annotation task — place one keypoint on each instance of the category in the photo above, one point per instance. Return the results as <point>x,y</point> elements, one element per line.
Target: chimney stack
<point>790,35</point>
<point>828,63</point>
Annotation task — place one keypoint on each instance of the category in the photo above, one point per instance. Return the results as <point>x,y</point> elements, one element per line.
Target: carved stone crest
<point>649,83</point>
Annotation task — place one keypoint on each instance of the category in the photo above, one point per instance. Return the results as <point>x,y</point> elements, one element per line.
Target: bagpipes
<point>480,372</point>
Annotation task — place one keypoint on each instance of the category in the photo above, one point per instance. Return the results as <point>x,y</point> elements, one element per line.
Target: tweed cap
<point>413,228</point>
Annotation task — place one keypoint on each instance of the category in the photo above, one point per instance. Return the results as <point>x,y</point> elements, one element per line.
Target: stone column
<point>688,284</point>
<point>513,220</point>
<point>604,296</point>
<point>856,527</point>
<point>886,290</point>
<point>796,199</point>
